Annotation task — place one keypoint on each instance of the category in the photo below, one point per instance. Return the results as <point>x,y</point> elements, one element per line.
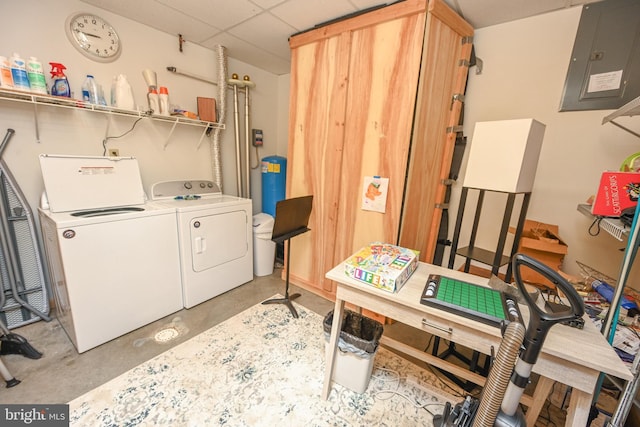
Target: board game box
<point>382,265</point>
<point>617,192</point>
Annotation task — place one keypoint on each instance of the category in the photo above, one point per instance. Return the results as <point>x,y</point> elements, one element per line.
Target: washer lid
<point>75,183</point>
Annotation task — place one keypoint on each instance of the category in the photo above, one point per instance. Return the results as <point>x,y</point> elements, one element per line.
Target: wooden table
<point>571,356</point>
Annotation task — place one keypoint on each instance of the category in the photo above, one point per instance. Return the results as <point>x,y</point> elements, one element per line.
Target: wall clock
<point>93,37</point>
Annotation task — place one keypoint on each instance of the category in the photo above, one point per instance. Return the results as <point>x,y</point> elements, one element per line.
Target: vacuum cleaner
<point>498,405</point>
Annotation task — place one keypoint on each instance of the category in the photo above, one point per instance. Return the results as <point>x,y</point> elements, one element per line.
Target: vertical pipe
<point>236,119</point>
<point>247,136</point>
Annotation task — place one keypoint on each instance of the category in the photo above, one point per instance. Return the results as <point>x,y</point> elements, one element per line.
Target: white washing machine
<point>113,259</point>
<point>215,233</point>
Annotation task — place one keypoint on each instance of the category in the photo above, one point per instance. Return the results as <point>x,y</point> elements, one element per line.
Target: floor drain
<point>166,334</point>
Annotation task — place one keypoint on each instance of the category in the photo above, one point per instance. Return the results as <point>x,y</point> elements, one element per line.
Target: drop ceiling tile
<point>245,52</point>
<point>491,12</point>
<point>220,14</point>
<point>160,17</point>
<point>305,14</point>
<point>366,4</point>
<point>267,32</point>
<point>267,4</point>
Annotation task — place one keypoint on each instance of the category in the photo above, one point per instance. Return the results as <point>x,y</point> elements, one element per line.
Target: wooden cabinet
<point>373,95</point>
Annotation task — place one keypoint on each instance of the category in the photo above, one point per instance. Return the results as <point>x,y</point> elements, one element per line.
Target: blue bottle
<point>60,84</point>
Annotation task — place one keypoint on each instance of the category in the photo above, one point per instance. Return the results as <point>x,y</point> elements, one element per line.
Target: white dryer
<point>113,259</point>
<point>215,234</point>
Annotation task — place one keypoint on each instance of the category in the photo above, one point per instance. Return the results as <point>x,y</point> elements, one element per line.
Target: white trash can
<point>264,249</point>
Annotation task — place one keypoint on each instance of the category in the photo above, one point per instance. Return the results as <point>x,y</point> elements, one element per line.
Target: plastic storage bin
<point>264,249</point>
<point>357,347</point>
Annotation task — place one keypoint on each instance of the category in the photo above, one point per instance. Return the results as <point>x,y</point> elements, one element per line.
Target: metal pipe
<point>619,417</point>
<point>236,119</point>
<point>247,136</point>
<point>193,76</point>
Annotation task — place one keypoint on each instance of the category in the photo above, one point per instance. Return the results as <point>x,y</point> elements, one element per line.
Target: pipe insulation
<point>500,374</point>
<point>216,162</point>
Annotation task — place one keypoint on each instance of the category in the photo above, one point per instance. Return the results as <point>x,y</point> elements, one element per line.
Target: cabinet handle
<point>440,328</point>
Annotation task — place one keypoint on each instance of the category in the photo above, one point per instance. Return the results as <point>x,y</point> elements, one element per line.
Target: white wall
<point>77,132</point>
<point>525,65</point>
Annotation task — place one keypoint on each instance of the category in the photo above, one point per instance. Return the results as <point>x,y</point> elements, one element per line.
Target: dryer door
<point>218,238</point>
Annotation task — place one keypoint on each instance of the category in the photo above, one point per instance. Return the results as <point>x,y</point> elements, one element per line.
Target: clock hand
<point>92,35</point>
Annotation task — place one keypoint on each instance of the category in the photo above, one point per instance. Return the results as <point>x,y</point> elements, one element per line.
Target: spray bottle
<point>60,84</point>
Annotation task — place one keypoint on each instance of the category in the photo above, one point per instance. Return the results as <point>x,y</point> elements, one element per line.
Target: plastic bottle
<point>122,94</point>
<point>164,101</point>
<point>6,79</point>
<point>154,101</point>
<point>35,74</point>
<point>59,82</point>
<point>90,90</point>
<point>19,73</point>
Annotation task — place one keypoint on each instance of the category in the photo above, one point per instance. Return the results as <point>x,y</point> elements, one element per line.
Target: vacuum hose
<point>499,375</point>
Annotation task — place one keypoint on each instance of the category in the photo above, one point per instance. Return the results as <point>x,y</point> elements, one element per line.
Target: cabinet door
<point>316,135</point>
<point>353,88</point>
<point>446,52</point>
<point>383,80</point>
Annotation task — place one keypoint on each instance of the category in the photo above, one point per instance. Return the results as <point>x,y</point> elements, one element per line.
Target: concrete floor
<point>62,374</point>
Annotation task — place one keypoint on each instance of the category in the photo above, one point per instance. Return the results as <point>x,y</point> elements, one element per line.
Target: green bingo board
<point>479,303</point>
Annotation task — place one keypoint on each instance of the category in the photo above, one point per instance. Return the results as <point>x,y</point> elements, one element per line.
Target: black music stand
<point>292,218</point>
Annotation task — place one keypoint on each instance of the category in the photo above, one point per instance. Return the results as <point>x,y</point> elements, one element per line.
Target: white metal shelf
<point>631,108</point>
<point>613,226</point>
<point>70,103</point>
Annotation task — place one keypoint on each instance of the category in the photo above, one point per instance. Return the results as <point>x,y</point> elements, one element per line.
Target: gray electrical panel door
<point>604,71</point>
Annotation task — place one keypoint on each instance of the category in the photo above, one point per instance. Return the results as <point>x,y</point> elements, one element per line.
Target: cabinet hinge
<point>442,205</point>
<point>456,97</point>
<point>467,40</point>
<point>447,181</point>
<point>454,129</point>
<point>464,63</point>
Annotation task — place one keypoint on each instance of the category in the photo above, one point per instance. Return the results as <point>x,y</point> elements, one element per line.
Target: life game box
<point>617,192</point>
<point>382,265</point>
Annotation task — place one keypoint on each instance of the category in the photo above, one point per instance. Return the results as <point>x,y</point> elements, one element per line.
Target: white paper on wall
<point>374,193</point>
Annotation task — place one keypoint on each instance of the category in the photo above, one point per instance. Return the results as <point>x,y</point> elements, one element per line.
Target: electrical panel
<point>257,137</point>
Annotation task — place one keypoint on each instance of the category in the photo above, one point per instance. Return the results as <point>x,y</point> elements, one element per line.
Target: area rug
<point>261,367</point>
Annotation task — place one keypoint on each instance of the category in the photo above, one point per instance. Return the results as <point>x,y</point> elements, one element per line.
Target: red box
<point>617,192</point>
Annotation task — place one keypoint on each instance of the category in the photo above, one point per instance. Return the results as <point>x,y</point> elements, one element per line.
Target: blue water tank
<point>274,180</point>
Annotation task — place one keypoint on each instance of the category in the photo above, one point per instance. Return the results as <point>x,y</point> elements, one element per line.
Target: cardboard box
<point>617,191</point>
<point>382,265</point>
<point>541,242</point>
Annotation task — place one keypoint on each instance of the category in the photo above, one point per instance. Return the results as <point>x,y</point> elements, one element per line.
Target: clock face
<point>93,36</point>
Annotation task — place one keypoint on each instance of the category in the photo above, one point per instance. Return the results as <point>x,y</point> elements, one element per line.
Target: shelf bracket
<point>106,130</point>
<point>35,121</point>
<point>204,132</point>
<point>613,122</point>
<point>175,123</point>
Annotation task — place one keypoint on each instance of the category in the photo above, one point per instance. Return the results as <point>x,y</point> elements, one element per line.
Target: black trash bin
<point>357,347</point>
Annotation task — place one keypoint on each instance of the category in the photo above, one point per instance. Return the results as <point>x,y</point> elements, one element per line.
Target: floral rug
<point>261,367</point>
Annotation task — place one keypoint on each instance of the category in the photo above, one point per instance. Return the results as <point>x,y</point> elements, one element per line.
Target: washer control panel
<point>190,188</point>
